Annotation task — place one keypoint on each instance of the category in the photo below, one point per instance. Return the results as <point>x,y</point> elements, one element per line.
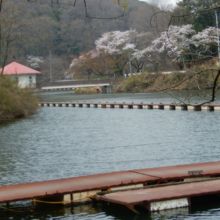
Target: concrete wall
<point>26,81</point>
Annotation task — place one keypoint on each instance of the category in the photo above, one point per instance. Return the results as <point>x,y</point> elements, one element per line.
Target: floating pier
<point>114,105</point>
<point>154,188</point>
<point>161,198</point>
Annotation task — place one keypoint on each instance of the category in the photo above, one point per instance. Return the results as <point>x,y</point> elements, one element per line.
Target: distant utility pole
<point>50,66</point>
<point>130,67</point>
<point>218,34</point>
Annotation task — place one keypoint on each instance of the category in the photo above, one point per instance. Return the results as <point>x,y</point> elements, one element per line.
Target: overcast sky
<point>162,2</point>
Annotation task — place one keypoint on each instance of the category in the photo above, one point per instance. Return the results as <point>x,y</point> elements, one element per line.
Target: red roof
<point>15,68</point>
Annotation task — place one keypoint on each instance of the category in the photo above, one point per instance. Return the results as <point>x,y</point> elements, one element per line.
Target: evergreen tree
<point>201,11</point>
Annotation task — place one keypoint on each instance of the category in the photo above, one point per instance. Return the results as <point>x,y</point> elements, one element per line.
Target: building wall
<point>26,81</point>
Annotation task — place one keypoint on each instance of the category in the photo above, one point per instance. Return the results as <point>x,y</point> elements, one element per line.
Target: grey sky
<point>162,2</point>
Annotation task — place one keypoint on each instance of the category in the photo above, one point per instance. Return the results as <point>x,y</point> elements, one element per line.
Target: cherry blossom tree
<point>182,44</point>
<point>119,45</point>
<point>173,43</point>
<point>204,44</point>
<point>34,61</point>
<point>125,48</point>
<point>91,64</point>
<point>116,42</point>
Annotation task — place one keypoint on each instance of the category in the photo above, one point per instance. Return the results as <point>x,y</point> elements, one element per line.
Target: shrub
<point>15,102</point>
<point>134,83</point>
<point>92,90</point>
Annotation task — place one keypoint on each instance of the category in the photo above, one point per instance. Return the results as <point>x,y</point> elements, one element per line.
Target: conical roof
<point>15,68</point>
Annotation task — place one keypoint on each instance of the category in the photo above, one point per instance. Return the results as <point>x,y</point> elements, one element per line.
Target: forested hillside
<point>63,29</point>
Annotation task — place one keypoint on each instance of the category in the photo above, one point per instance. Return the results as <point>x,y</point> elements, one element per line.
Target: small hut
<point>26,77</point>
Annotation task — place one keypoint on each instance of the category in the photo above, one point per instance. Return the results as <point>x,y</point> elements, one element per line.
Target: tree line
<point>185,39</point>
<point>38,27</point>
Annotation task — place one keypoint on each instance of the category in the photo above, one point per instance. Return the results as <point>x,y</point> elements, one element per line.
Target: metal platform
<point>158,198</point>
<point>79,188</point>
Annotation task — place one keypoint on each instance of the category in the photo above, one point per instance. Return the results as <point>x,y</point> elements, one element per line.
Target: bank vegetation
<point>159,82</point>
<point>15,103</point>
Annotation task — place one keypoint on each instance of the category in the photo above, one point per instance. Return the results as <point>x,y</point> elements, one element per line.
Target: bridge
<point>104,86</point>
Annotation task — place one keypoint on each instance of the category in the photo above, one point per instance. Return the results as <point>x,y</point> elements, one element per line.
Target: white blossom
<point>116,42</point>
<point>35,61</point>
<point>206,37</point>
<point>183,41</point>
<point>74,62</point>
<point>174,41</point>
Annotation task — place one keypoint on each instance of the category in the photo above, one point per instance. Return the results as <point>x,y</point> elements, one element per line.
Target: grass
<point>88,90</point>
<point>15,103</point>
<point>147,82</point>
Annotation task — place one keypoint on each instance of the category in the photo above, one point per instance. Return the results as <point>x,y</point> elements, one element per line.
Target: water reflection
<point>160,97</point>
<point>84,212</point>
<point>98,211</point>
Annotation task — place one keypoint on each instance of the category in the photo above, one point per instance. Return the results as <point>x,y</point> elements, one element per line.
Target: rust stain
<point>134,197</point>
<point>105,181</point>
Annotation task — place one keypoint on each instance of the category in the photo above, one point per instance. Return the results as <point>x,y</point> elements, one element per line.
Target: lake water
<point>66,142</point>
